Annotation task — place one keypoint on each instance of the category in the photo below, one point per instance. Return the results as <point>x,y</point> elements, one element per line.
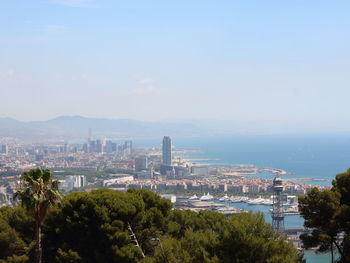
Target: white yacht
<point>193,197</point>
<point>206,197</point>
<point>236,199</point>
<point>256,201</point>
<point>224,198</point>
<point>244,199</point>
<point>267,202</point>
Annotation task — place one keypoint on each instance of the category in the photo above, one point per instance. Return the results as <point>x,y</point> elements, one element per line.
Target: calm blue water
<point>316,156</point>
<point>319,156</point>
<point>289,221</point>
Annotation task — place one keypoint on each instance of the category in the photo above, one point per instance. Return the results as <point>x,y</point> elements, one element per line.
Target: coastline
<point>244,170</point>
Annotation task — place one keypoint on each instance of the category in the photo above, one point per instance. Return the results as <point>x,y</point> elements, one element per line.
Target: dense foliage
<point>93,227</point>
<point>16,235</point>
<point>327,213</point>
<point>37,194</point>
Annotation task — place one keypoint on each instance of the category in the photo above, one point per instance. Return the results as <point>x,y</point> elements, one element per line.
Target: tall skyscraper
<point>108,146</point>
<point>99,146</point>
<point>5,149</point>
<point>127,148</point>
<point>166,157</point>
<point>65,147</point>
<point>92,146</point>
<point>141,163</point>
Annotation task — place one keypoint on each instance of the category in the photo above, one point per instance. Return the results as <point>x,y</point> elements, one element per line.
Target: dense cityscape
<point>174,131</point>
<point>117,165</point>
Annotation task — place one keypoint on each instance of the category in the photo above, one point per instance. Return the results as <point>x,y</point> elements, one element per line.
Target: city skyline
<point>174,131</point>
<point>269,63</point>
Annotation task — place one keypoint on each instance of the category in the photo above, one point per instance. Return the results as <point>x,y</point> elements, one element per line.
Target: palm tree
<point>38,192</point>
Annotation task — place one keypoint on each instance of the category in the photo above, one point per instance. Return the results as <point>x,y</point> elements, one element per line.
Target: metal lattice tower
<point>277,207</point>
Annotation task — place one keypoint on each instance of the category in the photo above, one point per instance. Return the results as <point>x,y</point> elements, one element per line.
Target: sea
<point>317,157</point>
<point>304,156</point>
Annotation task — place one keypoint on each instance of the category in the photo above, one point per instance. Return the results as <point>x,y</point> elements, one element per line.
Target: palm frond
<point>38,192</point>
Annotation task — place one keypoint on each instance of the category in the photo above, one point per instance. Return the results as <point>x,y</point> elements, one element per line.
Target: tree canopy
<point>327,214</point>
<point>94,227</point>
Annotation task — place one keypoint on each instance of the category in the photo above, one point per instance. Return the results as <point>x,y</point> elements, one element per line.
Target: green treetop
<point>327,214</point>
<point>38,192</point>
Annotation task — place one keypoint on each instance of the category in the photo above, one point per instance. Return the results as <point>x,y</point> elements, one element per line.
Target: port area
<point>307,180</point>
<point>196,206</point>
<point>241,170</point>
<point>226,204</point>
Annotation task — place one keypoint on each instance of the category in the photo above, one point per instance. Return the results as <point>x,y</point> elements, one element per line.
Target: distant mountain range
<point>75,127</point>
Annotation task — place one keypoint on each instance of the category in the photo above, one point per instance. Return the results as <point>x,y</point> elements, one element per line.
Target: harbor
<point>236,204</point>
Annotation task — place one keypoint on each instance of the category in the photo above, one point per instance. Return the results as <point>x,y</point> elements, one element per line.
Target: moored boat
<point>193,197</point>
<point>224,198</point>
<point>206,197</point>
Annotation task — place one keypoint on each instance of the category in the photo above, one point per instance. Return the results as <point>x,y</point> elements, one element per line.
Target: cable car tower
<point>277,206</point>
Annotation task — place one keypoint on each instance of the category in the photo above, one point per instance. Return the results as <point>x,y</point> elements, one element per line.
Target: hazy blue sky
<point>256,61</point>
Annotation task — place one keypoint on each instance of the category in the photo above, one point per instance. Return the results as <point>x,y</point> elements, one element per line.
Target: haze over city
<point>258,62</point>
<point>174,131</point>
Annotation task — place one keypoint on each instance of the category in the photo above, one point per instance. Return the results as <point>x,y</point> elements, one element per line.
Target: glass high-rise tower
<point>166,157</point>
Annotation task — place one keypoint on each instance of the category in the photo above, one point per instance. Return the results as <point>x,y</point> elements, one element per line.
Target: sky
<point>271,62</point>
